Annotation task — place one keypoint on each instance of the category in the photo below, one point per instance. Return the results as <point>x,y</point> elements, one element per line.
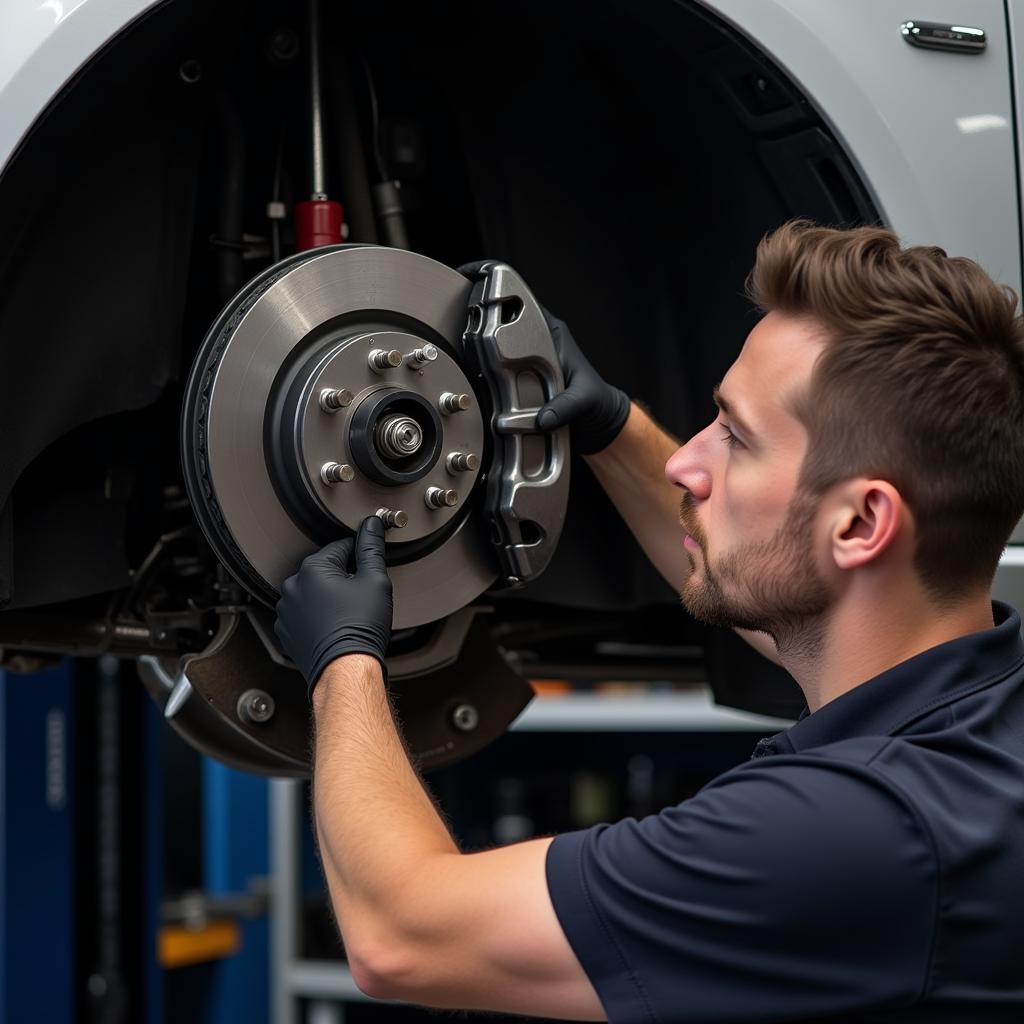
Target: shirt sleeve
<point>787,889</point>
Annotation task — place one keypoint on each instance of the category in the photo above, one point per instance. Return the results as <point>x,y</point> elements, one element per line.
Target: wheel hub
<point>389,431</point>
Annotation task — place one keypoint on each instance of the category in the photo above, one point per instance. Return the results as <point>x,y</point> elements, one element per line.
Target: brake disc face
<point>332,388</point>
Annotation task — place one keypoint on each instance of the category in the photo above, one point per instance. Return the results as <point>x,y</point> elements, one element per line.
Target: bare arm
<point>421,921</point>
<point>632,472</point>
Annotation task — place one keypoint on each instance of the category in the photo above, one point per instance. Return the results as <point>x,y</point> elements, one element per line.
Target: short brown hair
<point>920,382</point>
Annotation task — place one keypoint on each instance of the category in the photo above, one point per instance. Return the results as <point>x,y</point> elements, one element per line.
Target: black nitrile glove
<point>326,610</point>
<point>593,410</point>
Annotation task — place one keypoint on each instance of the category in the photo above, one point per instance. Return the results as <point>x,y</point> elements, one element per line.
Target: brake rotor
<point>333,387</point>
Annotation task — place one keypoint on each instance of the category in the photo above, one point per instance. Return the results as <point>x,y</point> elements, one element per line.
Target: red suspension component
<point>317,222</point>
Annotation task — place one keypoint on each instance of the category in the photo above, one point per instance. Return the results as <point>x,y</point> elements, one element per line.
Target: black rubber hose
<point>350,157</point>
<point>390,214</point>
<point>230,274</point>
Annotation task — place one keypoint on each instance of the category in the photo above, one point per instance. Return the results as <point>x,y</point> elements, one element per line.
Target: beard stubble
<point>772,586</point>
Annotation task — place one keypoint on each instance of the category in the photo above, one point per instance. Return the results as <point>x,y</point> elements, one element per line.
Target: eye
<point>730,438</point>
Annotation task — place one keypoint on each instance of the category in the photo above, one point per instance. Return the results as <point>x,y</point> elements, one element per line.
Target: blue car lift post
<point>81,845</point>
<point>37,847</point>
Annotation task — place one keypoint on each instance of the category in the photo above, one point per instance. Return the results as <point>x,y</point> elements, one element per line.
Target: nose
<point>688,467</point>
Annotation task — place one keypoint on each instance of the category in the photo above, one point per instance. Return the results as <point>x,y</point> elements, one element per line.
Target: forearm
<point>632,472</point>
<point>376,824</point>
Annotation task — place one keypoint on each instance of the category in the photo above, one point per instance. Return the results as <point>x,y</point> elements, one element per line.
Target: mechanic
<point>848,505</point>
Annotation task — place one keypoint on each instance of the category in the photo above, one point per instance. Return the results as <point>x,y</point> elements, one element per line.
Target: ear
<point>870,516</point>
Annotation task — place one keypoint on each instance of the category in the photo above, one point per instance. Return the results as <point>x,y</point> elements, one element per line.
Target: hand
<point>593,410</point>
<point>326,611</point>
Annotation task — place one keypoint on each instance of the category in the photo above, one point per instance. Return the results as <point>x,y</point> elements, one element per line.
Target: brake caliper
<point>528,487</point>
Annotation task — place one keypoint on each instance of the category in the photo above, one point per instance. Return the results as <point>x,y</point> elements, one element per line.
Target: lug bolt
<point>384,359</point>
<point>465,718</point>
<point>418,356</point>
<point>451,403</point>
<point>462,462</point>
<point>336,473</point>
<point>255,707</point>
<point>333,399</point>
<point>441,497</point>
<point>394,519</point>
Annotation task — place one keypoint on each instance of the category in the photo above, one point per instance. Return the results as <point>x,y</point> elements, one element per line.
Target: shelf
<point>646,712</point>
<point>325,979</point>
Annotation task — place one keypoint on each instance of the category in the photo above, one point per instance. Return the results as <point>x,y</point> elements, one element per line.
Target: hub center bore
<point>398,436</point>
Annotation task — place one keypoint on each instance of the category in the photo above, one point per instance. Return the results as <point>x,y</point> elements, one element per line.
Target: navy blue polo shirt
<point>869,866</point>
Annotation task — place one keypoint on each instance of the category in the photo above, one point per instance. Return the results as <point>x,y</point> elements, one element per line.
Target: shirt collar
<point>890,702</point>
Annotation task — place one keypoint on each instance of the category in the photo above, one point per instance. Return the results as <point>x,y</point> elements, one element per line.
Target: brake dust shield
<point>355,380</point>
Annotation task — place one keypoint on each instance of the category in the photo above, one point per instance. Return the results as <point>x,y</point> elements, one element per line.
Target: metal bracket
<point>449,711</point>
<point>528,487</point>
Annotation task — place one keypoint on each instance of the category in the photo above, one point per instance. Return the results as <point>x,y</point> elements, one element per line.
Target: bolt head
<point>190,71</point>
<point>452,403</point>
<point>424,354</point>
<point>393,518</point>
<point>408,437</point>
<point>441,497</point>
<point>333,399</point>
<point>465,718</point>
<point>384,359</point>
<point>337,473</point>
<point>256,707</point>
<point>462,462</point>
<point>398,436</point>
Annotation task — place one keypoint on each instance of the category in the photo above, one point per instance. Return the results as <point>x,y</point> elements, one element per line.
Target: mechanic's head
<point>871,430</point>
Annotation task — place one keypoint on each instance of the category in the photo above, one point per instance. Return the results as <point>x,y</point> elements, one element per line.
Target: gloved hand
<point>593,410</point>
<point>326,610</point>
